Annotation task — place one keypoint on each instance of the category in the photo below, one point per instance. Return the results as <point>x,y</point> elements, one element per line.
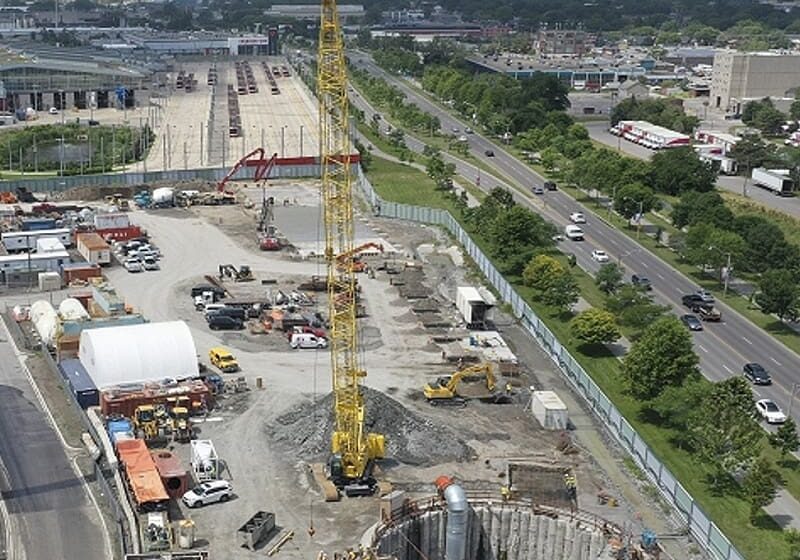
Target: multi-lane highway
<point>723,347</point>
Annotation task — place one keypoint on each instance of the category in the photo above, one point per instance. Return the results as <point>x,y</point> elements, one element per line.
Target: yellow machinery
<point>181,424</point>
<point>353,451</point>
<point>445,391</point>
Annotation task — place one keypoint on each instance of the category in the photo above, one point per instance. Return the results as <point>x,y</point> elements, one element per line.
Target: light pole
<point>795,387</point>
<point>301,140</point>
<point>611,202</point>
<point>283,129</point>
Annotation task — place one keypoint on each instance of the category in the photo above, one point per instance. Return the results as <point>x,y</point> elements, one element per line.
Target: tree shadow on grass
<point>594,350</point>
<point>722,485</point>
<point>765,521</point>
<point>778,327</point>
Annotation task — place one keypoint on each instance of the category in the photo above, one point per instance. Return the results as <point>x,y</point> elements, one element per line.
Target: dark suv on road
<point>757,374</point>
<point>642,282</point>
<point>695,301</point>
<point>223,322</point>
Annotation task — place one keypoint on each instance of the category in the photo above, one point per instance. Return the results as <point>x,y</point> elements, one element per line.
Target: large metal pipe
<point>457,515</point>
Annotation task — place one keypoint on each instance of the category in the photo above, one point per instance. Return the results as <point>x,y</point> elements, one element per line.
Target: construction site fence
<point>706,533</point>
<point>101,473</point>
<point>133,178</point>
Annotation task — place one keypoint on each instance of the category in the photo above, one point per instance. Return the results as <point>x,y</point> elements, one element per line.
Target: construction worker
<point>571,485</point>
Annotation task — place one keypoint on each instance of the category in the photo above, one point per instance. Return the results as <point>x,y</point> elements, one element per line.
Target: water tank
<point>71,310</point>
<point>45,321</point>
<point>163,195</point>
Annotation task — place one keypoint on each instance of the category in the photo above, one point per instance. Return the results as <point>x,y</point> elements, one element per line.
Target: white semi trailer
<point>775,180</point>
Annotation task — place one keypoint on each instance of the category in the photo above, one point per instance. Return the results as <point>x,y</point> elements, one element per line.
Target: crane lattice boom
<point>353,450</point>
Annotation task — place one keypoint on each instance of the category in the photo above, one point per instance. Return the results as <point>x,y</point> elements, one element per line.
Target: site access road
<point>723,347</point>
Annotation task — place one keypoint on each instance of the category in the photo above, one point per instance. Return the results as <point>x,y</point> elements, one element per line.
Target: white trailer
<point>474,306</point>
<point>775,180</point>
<point>549,410</point>
<point>94,249</point>
<point>26,240</point>
<point>205,462</point>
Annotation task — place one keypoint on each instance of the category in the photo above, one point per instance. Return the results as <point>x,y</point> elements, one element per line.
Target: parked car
<point>134,265</point>
<point>537,189</point>
<point>489,153</point>
<point>756,374</point>
<point>235,312</point>
<point>577,218</point>
<point>53,111</point>
<point>692,322</point>
<point>770,411</point>
<point>307,340</point>
<point>550,186</point>
<point>223,359</point>
<point>223,322</point>
<point>642,282</point>
<point>573,233</point>
<point>208,493</point>
<point>468,130</point>
<point>600,256</point>
<point>706,296</point>
<point>150,263</point>
<point>316,331</point>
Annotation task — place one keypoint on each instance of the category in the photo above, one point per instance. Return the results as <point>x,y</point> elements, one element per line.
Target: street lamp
<point>728,268</point>
<point>795,387</point>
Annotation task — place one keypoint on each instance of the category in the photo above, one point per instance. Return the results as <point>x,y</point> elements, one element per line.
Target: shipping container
<point>25,240</point>
<point>124,400</point>
<point>92,247</point>
<point>38,224</point>
<point>71,272</point>
<point>145,484</point>
<point>79,382</point>
<point>112,220</point>
<point>473,306</point>
<point>121,234</point>
<point>549,410</point>
<point>174,476</point>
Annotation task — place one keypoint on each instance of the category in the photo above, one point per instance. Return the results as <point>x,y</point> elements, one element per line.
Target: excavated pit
<point>496,530</point>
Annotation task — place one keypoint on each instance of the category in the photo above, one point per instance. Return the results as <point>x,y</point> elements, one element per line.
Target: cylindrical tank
<point>45,321</point>
<point>457,513</point>
<point>163,195</point>
<point>186,534</point>
<point>71,310</point>
<point>204,457</point>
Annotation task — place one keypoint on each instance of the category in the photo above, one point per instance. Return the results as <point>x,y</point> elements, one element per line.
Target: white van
<point>573,232</point>
<point>308,340</point>
<point>211,307</point>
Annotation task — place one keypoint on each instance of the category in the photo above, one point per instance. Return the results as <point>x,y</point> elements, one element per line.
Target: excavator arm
<point>263,167</point>
<point>446,389</point>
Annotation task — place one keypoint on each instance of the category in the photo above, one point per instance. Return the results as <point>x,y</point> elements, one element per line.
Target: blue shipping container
<point>80,383</point>
<point>36,224</point>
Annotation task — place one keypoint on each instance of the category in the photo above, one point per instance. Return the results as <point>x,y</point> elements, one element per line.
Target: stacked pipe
<point>234,118</point>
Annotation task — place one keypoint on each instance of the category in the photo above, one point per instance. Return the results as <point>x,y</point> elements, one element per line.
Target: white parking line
<point>746,340</point>
<point>776,361</point>
<point>729,370</point>
<point>702,348</point>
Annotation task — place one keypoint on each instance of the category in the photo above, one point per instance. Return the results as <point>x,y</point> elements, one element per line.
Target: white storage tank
<point>163,196</point>
<point>71,310</point>
<point>44,320</point>
<point>549,410</point>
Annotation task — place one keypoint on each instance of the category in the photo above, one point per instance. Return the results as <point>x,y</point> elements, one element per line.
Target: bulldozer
<point>446,389</point>
<point>242,274</point>
<point>151,423</point>
<point>182,429</point>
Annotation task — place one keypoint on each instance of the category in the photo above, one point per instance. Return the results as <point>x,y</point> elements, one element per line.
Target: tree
<point>675,405</point>
<point>515,235</point>
<point>679,170</point>
<point>785,439</point>
<point>663,356</point>
<point>779,294</point>
<point>708,246</point>
<point>724,430</point>
<point>751,151</point>
<point>633,198</point>
<point>794,110</point>
<point>541,272</point>
<point>609,278</point>
<point>696,207</point>
<point>595,326</point>
<point>760,485</point>
<point>563,293</point>
<point>634,308</point>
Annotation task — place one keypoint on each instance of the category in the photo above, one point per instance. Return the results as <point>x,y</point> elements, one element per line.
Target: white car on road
<point>577,218</point>
<point>600,256</point>
<point>208,493</point>
<point>770,411</point>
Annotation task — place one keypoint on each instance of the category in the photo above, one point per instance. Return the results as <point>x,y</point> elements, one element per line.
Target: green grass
<point>15,175</point>
<point>789,225</point>
<point>400,183</point>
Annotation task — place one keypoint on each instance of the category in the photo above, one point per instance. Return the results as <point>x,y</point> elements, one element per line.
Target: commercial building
<point>206,43</point>
<point>347,12</point>
<point>564,42</point>
<point>650,135</point>
<point>740,77</point>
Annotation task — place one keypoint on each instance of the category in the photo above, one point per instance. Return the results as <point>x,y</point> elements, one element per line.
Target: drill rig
<point>353,450</point>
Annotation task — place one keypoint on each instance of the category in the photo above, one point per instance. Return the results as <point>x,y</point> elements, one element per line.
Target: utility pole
<point>301,140</point>
<point>283,129</point>
<point>201,144</point>
<point>164,151</point>
<point>113,146</point>
<point>727,276</point>
<point>61,174</point>
<point>185,161</point>
<point>639,228</point>
<point>102,154</point>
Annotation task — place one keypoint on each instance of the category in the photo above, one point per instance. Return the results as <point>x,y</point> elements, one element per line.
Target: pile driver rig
<point>353,450</point>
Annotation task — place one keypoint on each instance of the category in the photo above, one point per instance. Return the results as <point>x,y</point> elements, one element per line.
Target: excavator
<point>354,256</point>
<point>242,274</point>
<point>445,390</point>
<point>150,423</point>
<point>181,424</point>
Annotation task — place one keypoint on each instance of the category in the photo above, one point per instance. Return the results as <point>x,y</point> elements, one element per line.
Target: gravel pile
<point>410,439</point>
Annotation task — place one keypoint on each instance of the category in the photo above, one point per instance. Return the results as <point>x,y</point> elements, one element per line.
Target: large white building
<point>740,77</point>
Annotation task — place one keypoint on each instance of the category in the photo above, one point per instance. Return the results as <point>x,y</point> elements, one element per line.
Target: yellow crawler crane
<point>353,451</point>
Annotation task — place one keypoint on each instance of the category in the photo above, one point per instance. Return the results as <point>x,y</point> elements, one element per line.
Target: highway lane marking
<point>747,340</point>
<point>702,348</point>
<point>776,361</point>
<point>644,264</point>
<point>729,370</point>
<point>660,276</point>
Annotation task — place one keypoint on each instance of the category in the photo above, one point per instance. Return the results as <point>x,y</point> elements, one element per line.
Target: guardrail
<point>707,534</point>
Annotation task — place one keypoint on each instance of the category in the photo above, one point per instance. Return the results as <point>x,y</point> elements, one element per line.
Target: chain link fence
<point>707,534</point>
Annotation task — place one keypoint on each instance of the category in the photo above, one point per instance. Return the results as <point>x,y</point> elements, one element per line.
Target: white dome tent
<point>138,353</point>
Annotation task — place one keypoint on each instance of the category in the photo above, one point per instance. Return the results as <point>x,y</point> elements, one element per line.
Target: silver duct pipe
<point>457,516</point>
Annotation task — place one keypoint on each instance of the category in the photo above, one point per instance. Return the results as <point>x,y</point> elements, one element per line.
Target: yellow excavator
<point>446,389</point>
<point>181,424</point>
<point>150,423</point>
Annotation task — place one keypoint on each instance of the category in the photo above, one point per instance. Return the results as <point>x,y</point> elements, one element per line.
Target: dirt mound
<point>410,439</point>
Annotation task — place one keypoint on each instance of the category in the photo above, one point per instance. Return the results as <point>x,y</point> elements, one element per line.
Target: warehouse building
<point>741,77</point>
<point>138,353</point>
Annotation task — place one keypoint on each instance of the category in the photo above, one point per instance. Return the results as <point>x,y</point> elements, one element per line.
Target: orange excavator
<point>354,256</point>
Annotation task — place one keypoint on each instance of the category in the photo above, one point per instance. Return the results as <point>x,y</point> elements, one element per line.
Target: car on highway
<point>468,130</point>
<point>134,265</point>
<point>770,411</point>
<point>705,296</point>
<point>550,186</point>
<point>537,189</point>
<point>489,153</point>
<point>756,374</point>
<point>573,233</point>
<point>693,301</point>
<point>600,256</point>
<point>642,282</point>
<point>455,129</point>
<point>692,322</point>
<point>577,218</point>
<point>208,493</point>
